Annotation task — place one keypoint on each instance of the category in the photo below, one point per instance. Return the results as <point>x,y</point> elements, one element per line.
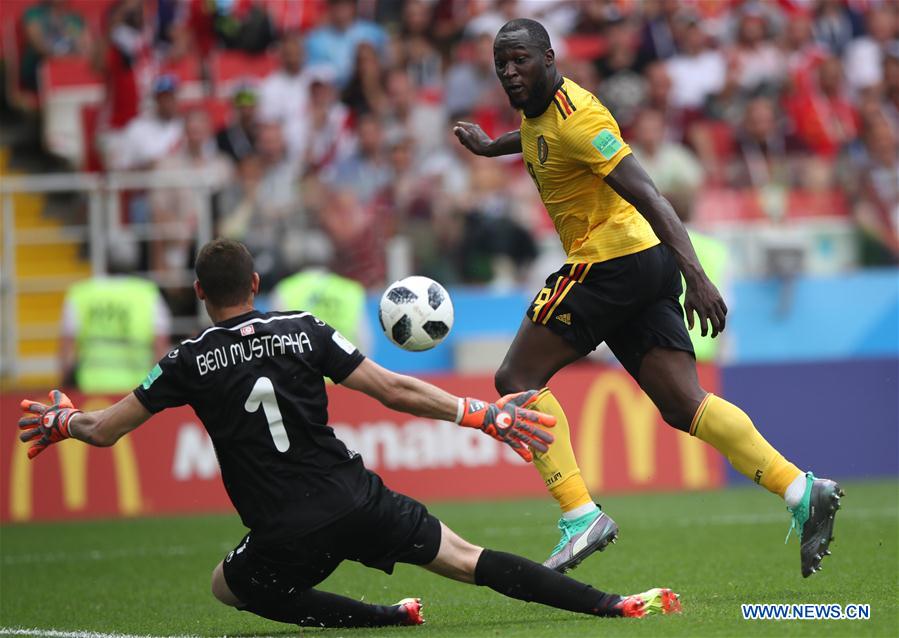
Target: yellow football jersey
<point>568,150</point>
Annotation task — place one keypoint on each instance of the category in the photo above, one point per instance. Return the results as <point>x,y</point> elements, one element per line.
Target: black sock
<point>517,577</point>
<point>313,608</point>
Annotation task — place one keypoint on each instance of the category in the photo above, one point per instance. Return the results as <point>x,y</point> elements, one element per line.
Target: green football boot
<point>581,537</point>
<point>813,521</point>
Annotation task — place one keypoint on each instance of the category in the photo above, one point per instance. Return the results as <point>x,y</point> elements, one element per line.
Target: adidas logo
<point>564,318</point>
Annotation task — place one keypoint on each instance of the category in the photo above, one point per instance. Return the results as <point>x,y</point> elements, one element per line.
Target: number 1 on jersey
<point>263,393</point>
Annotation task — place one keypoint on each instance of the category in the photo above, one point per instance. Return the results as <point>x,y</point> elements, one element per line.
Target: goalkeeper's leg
<point>517,577</point>
<point>534,357</point>
<point>314,608</point>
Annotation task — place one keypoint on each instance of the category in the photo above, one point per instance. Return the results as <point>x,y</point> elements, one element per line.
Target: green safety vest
<point>336,300</point>
<point>115,332</point>
<point>712,255</point>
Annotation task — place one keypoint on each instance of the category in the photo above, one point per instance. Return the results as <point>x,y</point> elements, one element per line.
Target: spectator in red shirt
<point>822,116</point>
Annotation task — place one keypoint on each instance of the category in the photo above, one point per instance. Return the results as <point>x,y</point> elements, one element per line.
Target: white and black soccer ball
<point>416,313</point>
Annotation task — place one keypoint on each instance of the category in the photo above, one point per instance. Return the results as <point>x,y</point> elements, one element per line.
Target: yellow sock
<point>558,467</point>
<point>729,430</point>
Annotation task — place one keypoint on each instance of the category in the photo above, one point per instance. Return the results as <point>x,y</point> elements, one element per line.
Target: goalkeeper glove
<point>51,423</point>
<point>508,421</point>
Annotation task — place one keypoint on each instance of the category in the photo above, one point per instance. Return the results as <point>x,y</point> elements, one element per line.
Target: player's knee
<point>508,381</point>
<point>677,417</point>
<point>220,588</point>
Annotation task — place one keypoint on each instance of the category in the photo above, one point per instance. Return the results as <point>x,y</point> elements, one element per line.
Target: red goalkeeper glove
<point>51,423</point>
<point>507,421</point>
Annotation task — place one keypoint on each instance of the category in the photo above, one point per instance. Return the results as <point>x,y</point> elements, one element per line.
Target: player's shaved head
<point>536,36</point>
<point>225,272</point>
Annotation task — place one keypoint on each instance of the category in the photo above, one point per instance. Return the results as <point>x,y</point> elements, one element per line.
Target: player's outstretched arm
<point>507,420</point>
<point>629,180</point>
<point>478,142</point>
<point>46,424</point>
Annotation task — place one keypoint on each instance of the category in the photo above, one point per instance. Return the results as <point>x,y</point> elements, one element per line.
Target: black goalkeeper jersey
<point>256,381</point>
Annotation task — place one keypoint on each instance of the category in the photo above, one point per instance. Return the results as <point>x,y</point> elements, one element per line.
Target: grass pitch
<point>718,549</point>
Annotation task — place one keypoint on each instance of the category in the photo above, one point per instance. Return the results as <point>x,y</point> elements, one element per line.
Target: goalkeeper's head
<point>226,279</point>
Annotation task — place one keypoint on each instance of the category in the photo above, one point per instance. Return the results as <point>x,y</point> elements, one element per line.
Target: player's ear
<point>198,289</point>
<point>549,58</point>
<point>254,286</point>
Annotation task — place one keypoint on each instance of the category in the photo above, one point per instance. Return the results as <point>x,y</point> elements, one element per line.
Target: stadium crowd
<point>338,139</point>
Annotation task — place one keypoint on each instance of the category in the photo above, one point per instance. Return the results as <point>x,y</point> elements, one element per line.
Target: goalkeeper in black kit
<point>256,381</point>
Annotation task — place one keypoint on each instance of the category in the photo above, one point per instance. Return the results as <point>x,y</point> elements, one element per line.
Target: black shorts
<point>388,528</point>
<point>632,303</point>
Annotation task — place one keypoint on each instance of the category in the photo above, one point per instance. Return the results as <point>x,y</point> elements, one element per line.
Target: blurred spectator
<point>674,169</point>
<point>238,138</point>
<point>365,93</point>
<point>890,102</point>
<point>51,29</point>
<point>244,25</point>
<point>356,231</point>
<point>334,43</point>
<point>262,209</point>
<point>113,327</point>
<point>760,66</point>
<point>822,116</point>
<point>284,95</point>
<point>417,54</point>
<point>697,71</point>
<point>761,148</point>
<point>124,63</point>
<point>469,80</point>
<point>622,88</point>
<point>177,210</point>
<point>877,209</point>
<point>364,172</point>
<point>150,137</point>
<point>494,247</point>
<point>865,55</point>
<point>418,119</point>
<point>835,25</point>
<point>799,47</point>
<point>657,40</point>
<point>330,136</point>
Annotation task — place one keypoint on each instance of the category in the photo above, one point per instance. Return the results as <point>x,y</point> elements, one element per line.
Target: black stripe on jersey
<point>561,110</point>
<point>570,103</point>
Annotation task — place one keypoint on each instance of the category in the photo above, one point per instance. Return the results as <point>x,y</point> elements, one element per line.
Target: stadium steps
<point>42,274</point>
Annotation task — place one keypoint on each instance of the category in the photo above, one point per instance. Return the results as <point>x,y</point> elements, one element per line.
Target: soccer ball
<point>416,313</point>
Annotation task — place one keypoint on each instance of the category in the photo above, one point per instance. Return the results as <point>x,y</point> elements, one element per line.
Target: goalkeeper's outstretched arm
<point>46,424</point>
<point>507,420</point>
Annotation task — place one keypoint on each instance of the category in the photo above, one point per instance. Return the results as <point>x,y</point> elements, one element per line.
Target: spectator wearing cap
<point>334,43</point>
<point>150,137</point>
<point>237,140</point>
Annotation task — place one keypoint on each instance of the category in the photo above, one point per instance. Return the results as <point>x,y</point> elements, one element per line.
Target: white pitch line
<point>107,554</point>
<point>56,633</point>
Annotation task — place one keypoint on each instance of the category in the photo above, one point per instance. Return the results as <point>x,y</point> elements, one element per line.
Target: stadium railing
<point>103,222</point>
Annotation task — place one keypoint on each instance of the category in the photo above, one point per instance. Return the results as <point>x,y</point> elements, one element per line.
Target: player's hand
<point>704,299</point>
<point>48,424</point>
<point>473,137</point>
<point>509,421</point>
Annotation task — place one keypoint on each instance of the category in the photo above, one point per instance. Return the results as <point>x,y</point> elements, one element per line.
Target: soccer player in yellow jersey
<point>620,284</point>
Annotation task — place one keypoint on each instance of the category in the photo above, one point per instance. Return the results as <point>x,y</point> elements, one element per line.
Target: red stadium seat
<point>230,68</point>
<point>585,47</point>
